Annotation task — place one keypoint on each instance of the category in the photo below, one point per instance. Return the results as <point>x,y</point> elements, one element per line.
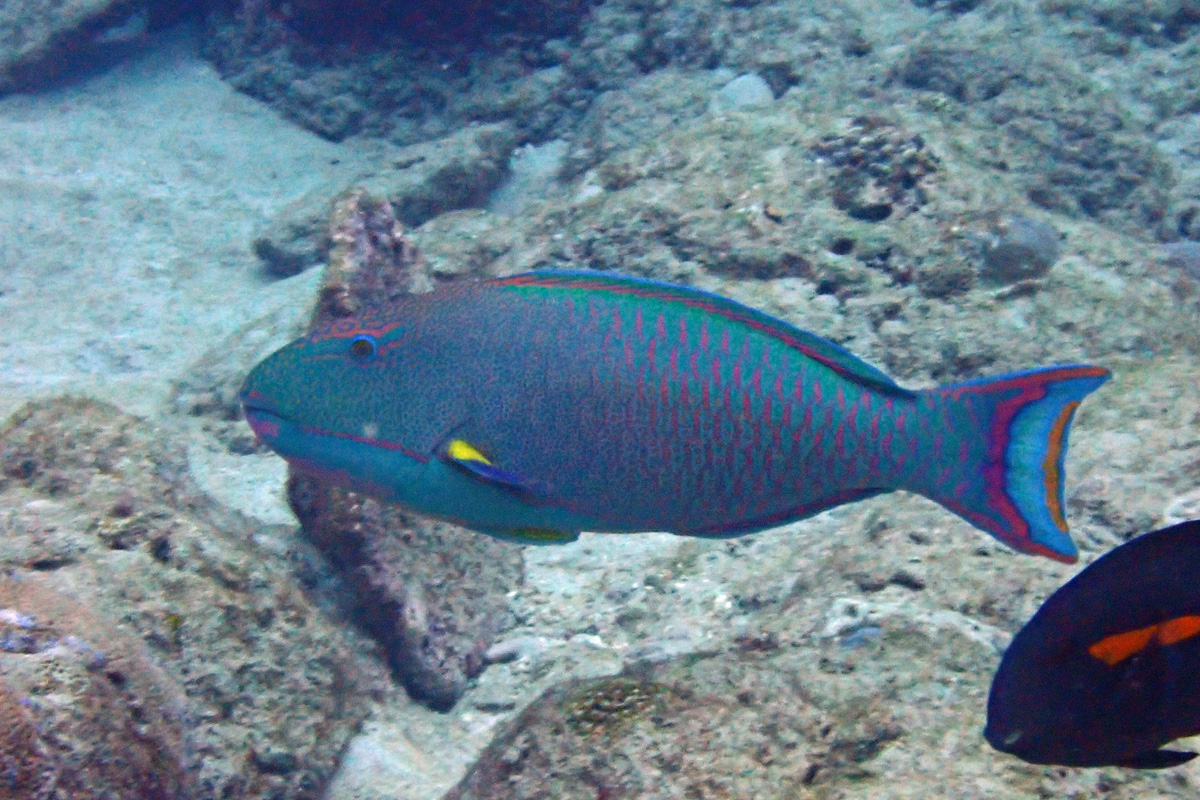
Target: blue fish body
<point>536,406</point>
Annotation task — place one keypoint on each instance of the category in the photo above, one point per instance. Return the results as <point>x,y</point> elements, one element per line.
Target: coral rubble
<point>433,595</point>
<point>228,682</point>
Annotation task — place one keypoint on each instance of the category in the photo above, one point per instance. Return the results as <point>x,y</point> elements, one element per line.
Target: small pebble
<point>512,649</point>
<point>860,637</point>
<point>91,658</point>
<point>1025,248</point>
<point>16,619</point>
<point>1183,256</point>
<point>22,643</point>
<point>742,93</point>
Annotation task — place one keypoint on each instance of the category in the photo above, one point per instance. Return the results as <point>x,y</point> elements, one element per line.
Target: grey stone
<point>1183,256</point>
<point>1025,248</point>
<point>744,92</point>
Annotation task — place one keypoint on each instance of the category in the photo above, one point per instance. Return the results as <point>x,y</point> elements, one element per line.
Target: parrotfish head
<point>350,399</point>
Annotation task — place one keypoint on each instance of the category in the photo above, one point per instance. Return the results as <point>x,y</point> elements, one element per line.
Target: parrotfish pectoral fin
<point>1158,759</point>
<point>1013,486</point>
<point>466,456</point>
<point>533,535</point>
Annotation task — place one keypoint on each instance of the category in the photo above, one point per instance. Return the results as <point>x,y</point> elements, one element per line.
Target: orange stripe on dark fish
<point>1112,650</point>
<point>1107,671</point>
<point>1176,630</point>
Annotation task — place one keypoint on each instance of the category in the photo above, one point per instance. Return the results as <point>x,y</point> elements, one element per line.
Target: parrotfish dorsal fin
<point>822,350</point>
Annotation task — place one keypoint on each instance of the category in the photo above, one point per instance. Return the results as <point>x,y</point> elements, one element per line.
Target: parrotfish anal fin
<point>790,515</point>
<point>533,535</point>
<point>822,350</point>
<point>1158,759</point>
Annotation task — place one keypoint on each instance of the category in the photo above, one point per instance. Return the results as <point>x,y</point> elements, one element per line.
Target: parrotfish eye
<point>362,347</point>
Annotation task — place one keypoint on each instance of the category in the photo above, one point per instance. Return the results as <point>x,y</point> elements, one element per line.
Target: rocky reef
<point>87,711</point>
<point>46,41</point>
<point>410,70</point>
<point>154,645</point>
<point>431,594</point>
<point>948,188</point>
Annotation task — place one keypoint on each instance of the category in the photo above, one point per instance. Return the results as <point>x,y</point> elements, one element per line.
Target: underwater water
<point>890,198</point>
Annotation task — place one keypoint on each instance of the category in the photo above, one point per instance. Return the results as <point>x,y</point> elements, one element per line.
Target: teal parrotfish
<point>537,406</point>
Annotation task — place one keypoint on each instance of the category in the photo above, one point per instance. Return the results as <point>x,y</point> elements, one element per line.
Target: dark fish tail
<point>992,452</point>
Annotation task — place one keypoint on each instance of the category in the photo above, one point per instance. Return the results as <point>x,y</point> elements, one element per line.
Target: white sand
<point>128,202</point>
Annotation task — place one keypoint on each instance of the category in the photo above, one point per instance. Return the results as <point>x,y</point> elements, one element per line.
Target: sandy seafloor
<point>127,201</point>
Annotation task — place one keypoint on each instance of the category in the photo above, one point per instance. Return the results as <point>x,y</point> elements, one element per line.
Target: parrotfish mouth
<point>266,424</point>
<point>278,433</point>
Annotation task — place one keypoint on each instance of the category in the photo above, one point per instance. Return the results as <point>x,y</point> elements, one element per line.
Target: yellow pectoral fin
<point>467,457</point>
<point>463,451</point>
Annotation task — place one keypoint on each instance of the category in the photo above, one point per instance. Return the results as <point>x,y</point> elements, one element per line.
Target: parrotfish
<point>537,406</point>
<point>1108,669</point>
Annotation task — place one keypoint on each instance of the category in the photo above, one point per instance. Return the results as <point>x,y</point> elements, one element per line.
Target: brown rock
<point>87,713</point>
<point>40,41</point>
<point>432,594</point>
<point>230,683</point>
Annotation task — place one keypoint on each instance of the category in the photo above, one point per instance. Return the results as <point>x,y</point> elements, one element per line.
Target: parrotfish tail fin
<point>993,453</point>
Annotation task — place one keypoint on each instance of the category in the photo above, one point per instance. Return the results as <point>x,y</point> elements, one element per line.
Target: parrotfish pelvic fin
<point>1013,487</point>
<point>533,535</point>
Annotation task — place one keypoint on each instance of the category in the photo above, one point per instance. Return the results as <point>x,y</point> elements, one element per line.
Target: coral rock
<point>229,673</point>
<point>86,712</point>
<point>433,595</point>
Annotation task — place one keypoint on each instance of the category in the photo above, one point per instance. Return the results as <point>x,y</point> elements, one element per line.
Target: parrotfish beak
<point>260,411</point>
<point>266,426</point>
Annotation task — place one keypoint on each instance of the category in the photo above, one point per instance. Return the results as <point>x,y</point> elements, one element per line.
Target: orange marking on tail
<point>1050,464</point>
<point>1114,649</point>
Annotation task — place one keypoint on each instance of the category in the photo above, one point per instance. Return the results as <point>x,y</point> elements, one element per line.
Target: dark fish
<point>1108,669</point>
